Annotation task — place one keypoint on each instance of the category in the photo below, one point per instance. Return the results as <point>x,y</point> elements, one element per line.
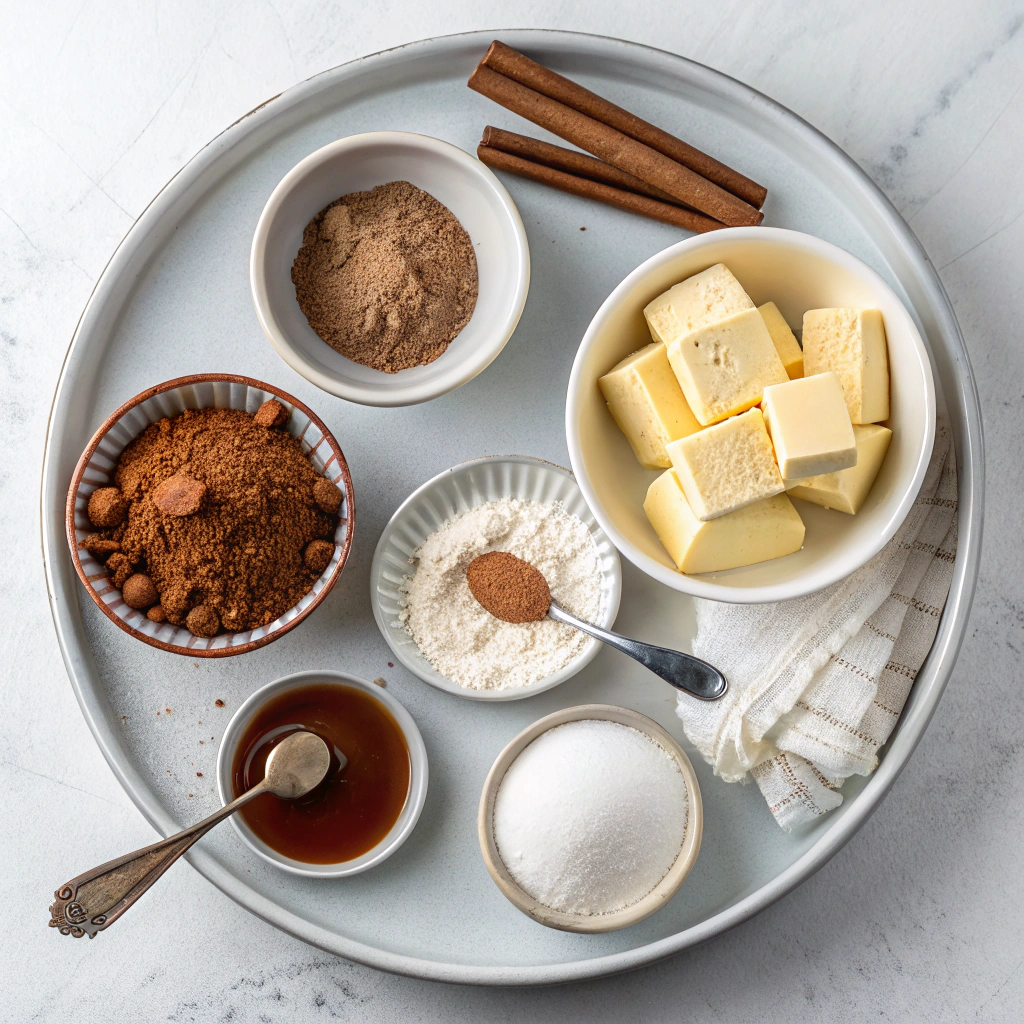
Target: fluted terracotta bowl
<point>95,469</point>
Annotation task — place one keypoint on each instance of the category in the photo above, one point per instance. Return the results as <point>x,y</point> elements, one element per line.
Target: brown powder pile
<point>224,522</point>
<point>388,277</point>
<point>508,587</point>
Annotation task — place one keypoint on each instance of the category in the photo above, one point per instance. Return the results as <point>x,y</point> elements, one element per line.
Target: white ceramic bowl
<point>418,775</point>
<point>358,163</point>
<point>94,469</point>
<point>660,894</point>
<point>456,490</point>
<point>798,272</point>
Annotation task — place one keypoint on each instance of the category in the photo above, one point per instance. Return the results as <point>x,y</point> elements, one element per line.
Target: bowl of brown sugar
<point>210,514</point>
<point>389,268</point>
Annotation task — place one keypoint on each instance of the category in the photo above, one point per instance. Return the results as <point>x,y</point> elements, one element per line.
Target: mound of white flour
<point>467,644</point>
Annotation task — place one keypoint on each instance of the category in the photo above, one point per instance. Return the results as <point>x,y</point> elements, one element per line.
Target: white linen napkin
<point>816,684</point>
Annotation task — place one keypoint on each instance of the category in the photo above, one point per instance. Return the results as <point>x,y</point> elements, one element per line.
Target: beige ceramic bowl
<point>94,469</point>
<point>662,892</point>
<point>798,272</point>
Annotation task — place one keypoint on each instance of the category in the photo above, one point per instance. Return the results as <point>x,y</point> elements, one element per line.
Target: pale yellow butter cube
<point>767,529</point>
<point>726,466</point>
<point>846,490</point>
<point>851,343</point>
<point>809,425</point>
<point>647,403</point>
<point>702,299</point>
<point>724,367</point>
<point>783,339</point>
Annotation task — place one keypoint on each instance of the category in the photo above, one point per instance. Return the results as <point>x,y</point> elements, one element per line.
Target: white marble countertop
<point>922,915</point>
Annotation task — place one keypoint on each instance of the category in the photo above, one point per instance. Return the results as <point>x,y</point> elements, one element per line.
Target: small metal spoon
<point>513,590</point>
<point>683,671</point>
<point>92,901</point>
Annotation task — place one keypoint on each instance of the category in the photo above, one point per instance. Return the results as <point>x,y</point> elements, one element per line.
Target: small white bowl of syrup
<point>360,814</point>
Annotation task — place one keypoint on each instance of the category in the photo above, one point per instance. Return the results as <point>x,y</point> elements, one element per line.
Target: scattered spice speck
<point>391,664</point>
<point>199,775</point>
<point>168,710</point>
<point>219,702</point>
<point>201,742</point>
<point>380,681</point>
<point>583,229</point>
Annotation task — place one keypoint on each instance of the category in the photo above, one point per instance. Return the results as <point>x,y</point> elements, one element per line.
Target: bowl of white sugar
<point>422,602</point>
<point>590,819</point>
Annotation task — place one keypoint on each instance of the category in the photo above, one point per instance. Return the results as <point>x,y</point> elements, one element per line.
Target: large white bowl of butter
<point>797,272</point>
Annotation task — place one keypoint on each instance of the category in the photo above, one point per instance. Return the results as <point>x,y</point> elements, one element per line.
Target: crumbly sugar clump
<point>467,644</point>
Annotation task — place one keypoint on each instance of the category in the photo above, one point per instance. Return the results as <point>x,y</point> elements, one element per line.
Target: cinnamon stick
<point>570,161</point>
<point>615,148</point>
<point>578,186</point>
<point>515,65</point>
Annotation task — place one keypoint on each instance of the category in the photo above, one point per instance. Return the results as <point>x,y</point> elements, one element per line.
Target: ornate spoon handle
<point>95,899</point>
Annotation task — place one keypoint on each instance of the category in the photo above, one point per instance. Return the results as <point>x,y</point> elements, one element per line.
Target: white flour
<point>467,644</point>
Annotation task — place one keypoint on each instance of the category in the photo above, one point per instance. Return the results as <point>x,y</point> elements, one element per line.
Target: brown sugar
<point>224,545</point>
<point>203,620</point>
<point>120,567</point>
<point>387,277</point>
<point>327,496</point>
<point>138,591</point>
<point>179,495</point>
<point>508,587</point>
<point>99,547</point>
<point>271,413</point>
<point>107,507</point>
<point>318,555</point>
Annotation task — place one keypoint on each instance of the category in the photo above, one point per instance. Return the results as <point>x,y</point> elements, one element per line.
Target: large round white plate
<point>175,300</point>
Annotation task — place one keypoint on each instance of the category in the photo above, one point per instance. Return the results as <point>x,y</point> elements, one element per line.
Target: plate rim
<point>933,676</point>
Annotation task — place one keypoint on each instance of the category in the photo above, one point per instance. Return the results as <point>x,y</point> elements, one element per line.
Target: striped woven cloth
<point>817,684</point>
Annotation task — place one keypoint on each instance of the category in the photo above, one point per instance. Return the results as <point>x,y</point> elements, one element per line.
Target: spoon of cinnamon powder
<point>513,590</point>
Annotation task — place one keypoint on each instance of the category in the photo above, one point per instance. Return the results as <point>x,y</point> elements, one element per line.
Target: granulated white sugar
<point>463,641</point>
<point>590,817</point>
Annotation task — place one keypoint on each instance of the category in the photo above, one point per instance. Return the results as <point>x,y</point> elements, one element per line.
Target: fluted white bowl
<point>457,490</point>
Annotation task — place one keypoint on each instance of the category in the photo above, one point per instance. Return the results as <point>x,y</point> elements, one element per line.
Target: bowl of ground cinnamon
<point>210,514</point>
<point>389,268</point>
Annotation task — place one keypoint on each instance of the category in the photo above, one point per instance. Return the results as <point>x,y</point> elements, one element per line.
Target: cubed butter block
<point>769,528</point>
<point>847,489</point>
<point>726,466</point>
<point>851,343</point>
<point>647,403</point>
<point>783,339</point>
<point>724,367</point>
<point>809,425</point>
<point>702,299</point>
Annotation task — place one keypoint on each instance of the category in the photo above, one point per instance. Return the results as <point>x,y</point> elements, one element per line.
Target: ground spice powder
<point>236,558</point>
<point>508,587</point>
<point>388,277</point>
